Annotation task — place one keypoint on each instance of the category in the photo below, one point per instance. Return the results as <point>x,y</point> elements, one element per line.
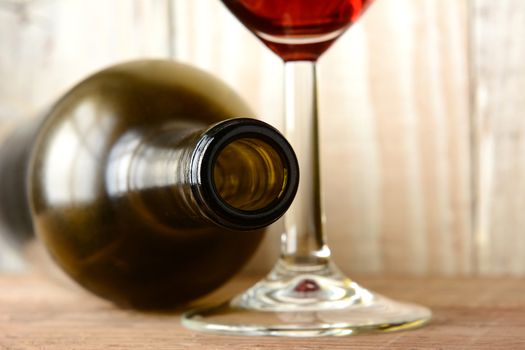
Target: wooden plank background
<point>421,108</point>
<point>498,112</point>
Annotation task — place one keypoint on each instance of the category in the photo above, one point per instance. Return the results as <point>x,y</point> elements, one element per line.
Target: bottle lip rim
<point>213,141</point>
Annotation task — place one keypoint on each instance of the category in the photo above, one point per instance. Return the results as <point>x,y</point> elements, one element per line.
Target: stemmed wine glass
<point>305,294</point>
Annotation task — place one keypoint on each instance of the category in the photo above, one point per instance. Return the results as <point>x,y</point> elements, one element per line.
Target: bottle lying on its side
<point>142,188</point>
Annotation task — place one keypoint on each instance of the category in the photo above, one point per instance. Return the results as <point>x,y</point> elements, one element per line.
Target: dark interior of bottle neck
<point>249,174</point>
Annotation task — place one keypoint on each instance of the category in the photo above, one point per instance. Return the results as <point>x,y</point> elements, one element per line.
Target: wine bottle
<point>146,191</point>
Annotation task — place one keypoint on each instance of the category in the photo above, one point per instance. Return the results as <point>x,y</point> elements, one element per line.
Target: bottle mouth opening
<point>237,170</point>
<point>248,172</point>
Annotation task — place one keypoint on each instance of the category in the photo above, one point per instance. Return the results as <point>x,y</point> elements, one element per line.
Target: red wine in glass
<point>297,30</point>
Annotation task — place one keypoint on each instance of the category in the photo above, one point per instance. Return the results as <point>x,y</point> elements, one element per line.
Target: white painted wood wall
<point>421,104</point>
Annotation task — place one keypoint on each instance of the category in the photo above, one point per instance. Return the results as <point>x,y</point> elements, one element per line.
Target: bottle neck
<point>240,174</point>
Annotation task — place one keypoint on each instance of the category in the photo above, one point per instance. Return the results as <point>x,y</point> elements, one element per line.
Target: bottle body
<point>118,184</point>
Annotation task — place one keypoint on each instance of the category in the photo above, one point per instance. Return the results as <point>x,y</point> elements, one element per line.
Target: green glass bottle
<point>146,192</point>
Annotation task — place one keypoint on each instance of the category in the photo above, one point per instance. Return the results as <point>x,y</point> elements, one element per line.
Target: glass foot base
<point>306,304</point>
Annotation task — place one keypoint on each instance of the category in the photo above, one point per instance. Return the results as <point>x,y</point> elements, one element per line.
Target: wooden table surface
<point>37,312</point>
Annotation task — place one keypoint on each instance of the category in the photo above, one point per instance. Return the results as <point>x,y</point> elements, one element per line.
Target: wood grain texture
<point>46,46</point>
<point>403,157</point>
<point>394,128</point>
<point>498,70</point>
<point>468,314</point>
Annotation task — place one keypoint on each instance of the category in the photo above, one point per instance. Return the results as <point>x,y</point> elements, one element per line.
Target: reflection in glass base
<point>302,303</point>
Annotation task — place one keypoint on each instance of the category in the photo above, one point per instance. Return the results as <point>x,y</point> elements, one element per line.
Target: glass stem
<point>303,243</point>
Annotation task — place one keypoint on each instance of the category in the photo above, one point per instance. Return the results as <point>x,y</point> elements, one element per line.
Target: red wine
<point>297,29</point>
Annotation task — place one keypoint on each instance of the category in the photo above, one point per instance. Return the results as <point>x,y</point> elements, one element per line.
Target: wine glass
<point>305,294</point>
